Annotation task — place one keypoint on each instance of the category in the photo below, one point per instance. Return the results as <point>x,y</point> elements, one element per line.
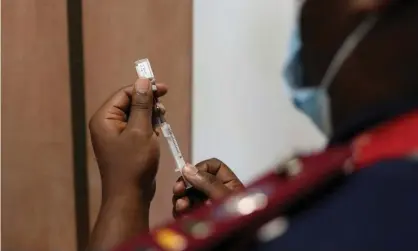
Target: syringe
<point>144,70</point>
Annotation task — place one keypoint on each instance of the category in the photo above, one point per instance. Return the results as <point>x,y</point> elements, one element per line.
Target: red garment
<point>269,196</point>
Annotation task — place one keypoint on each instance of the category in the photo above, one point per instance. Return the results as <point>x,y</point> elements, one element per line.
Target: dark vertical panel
<point>37,178</point>
<point>116,34</point>
<point>76,66</point>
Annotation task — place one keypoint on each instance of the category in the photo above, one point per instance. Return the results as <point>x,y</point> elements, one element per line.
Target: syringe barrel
<point>174,148</point>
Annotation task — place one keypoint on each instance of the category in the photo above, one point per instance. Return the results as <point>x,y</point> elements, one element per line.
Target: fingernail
<point>161,108</point>
<point>154,87</point>
<point>190,169</point>
<point>142,85</point>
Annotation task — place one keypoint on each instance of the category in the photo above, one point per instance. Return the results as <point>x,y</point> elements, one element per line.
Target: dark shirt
<point>373,209</point>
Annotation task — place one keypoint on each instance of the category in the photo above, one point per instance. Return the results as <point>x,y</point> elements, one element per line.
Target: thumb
<point>205,182</point>
<point>141,106</point>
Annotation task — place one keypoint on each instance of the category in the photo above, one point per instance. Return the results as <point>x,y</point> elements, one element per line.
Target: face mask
<point>315,101</point>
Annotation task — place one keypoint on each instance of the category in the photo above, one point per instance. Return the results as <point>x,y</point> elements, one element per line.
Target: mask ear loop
<point>346,49</point>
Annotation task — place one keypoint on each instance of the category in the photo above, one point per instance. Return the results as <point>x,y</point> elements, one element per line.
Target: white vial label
<point>143,68</point>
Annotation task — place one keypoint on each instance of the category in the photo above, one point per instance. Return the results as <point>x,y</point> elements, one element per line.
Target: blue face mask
<point>315,101</point>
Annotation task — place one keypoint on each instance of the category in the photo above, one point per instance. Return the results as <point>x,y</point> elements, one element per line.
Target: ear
<point>370,5</point>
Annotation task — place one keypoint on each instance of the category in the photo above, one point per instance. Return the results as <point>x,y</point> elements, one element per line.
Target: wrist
<point>123,214</point>
<point>127,203</point>
<point>129,191</point>
<point>127,194</point>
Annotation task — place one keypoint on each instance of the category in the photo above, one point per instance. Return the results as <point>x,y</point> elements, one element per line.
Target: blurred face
<point>357,52</point>
<point>382,68</point>
<point>325,24</point>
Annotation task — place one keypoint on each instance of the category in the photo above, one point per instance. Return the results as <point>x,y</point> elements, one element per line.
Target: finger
<point>174,212</point>
<point>179,187</point>
<point>160,109</point>
<point>205,182</point>
<point>218,168</point>
<point>196,197</point>
<point>140,117</point>
<point>182,205</point>
<point>178,215</point>
<point>117,107</point>
<point>114,108</point>
<point>157,130</point>
<point>122,98</point>
<point>162,89</point>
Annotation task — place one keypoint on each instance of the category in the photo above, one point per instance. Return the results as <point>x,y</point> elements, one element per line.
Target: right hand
<point>124,141</point>
<point>211,180</point>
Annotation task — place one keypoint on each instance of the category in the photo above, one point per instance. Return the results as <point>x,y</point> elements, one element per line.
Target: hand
<point>127,153</point>
<point>211,180</point>
<point>124,142</point>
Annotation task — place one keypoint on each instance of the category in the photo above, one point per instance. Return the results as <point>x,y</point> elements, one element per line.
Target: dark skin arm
<point>127,153</point>
<point>121,217</point>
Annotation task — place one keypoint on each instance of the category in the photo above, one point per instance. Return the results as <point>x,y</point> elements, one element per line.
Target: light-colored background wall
<point>241,113</point>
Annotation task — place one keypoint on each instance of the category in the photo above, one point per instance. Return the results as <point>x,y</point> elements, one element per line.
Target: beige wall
<point>37,180</point>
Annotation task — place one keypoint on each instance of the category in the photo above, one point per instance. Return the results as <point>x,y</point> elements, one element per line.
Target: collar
<point>396,138</point>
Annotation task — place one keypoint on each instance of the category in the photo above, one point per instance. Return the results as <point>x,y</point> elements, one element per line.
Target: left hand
<point>211,180</point>
<point>124,142</point>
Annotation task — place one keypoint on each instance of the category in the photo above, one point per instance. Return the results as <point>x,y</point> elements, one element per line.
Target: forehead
<point>325,11</point>
<point>327,22</point>
<point>335,19</point>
